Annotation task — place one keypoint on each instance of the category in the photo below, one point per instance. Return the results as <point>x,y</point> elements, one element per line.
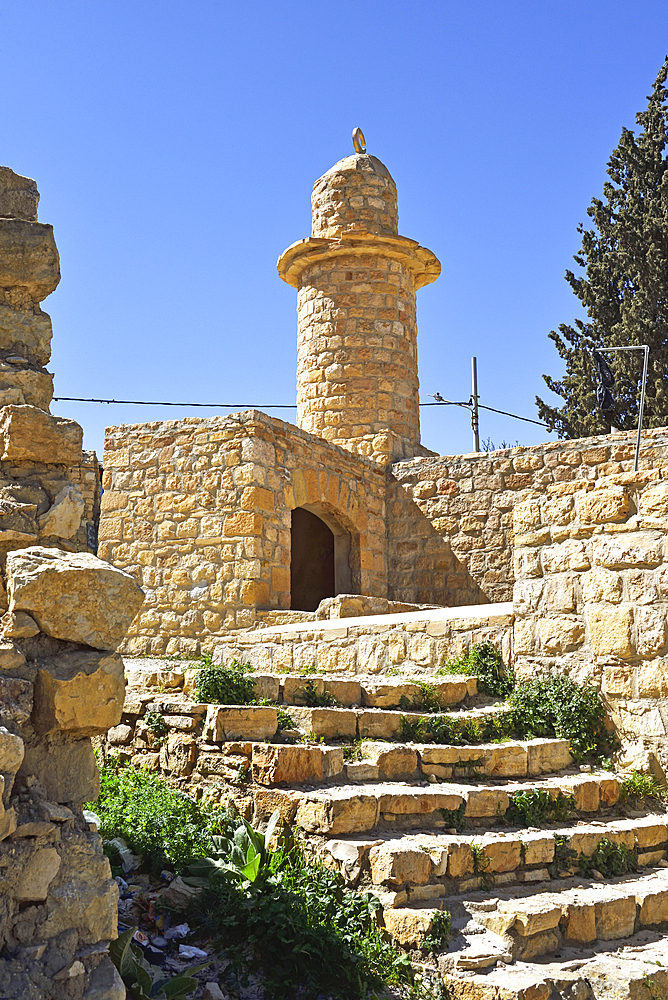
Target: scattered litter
<point>180,931</point>
<point>190,951</point>
<point>159,942</point>
<point>129,861</point>
<point>168,876</point>
<point>93,820</point>
<point>121,883</point>
<point>140,937</point>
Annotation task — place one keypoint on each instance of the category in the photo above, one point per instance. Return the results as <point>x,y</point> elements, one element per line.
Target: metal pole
<point>642,406</point>
<point>474,404</point>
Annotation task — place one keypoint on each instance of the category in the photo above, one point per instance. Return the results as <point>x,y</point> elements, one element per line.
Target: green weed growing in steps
<point>312,698</point>
<point>224,685</point>
<point>354,752</point>
<point>535,806</point>
<point>609,859</point>
<point>427,701</point>
<point>557,706</point>
<point>451,730</point>
<point>455,819</point>
<point>564,855</point>
<point>284,720</point>
<point>485,662</point>
<point>481,863</point>
<point>439,932</point>
<point>639,786</point>
<point>156,725</point>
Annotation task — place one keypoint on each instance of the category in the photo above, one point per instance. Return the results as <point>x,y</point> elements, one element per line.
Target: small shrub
<point>481,863</point>
<point>284,720</point>
<point>354,752</point>
<point>156,725</point>
<point>564,855</point>
<point>484,661</point>
<point>224,685</point>
<point>557,706</point>
<point>166,827</point>
<point>641,786</point>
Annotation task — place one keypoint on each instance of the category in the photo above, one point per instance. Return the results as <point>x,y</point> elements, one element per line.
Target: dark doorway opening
<point>312,575</point>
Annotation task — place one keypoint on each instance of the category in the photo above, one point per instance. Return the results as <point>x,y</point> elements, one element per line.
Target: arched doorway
<point>319,562</point>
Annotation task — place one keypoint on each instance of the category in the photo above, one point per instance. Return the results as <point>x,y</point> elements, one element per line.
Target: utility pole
<point>474,404</point>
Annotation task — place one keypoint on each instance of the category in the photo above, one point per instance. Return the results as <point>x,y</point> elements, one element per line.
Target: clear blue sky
<point>175,146</point>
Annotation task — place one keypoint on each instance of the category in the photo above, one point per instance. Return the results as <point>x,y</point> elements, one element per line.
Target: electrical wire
<point>266,406</point>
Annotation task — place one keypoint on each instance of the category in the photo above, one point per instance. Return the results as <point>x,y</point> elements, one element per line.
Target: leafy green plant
<point>485,662</point>
<point>641,786</point>
<point>312,698</point>
<point>307,669</point>
<point>564,855</point>
<point>557,706</point>
<point>165,827</point>
<point>142,980</point>
<point>455,818</point>
<point>439,932</point>
<point>284,720</point>
<point>243,856</point>
<point>354,752</point>
<point>609,859</point>
<point>481,863</point>
<point>156,725</point>
<point>224,685</point>
<point>536,805</point>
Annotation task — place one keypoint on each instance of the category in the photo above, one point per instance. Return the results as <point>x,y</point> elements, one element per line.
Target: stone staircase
<point>431,827</point>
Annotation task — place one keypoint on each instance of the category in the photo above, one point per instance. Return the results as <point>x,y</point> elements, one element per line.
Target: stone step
<point>357,809</point>
<point>425,865</point>
<point>525,925</point>
<point>260,722</point>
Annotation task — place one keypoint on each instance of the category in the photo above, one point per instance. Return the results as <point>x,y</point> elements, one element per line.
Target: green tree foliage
<point>624,288</point>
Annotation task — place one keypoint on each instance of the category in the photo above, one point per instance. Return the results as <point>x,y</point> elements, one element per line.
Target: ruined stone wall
<point>450,532</point>
<point>591,595</point>
<point>60,679</point>
<point>88,479</point>
<point>199,511</point>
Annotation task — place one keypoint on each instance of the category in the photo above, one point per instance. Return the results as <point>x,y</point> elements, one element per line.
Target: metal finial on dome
<point>359,142</point>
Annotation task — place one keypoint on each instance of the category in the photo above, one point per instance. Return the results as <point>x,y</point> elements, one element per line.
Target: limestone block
<point>11,751</point>
<point>504,855</point>
<point>601,506</point>
<point>526,516</point>
<point>654,501</point>
<point>560,633</point>
<point>105,983</point>
<point>87,899</point>
<point>608,790</point>
<point>273,764</point>
<point>387,694</point>
<point>568,555</point>
<point>178,755</point>
<point>641,586</point>
<point>394,763</point>
<point>375,724</point>
<point>28,434</point>
<point>618,681</point>
<point>19,196</point>
<point>397,863</point>
<point>64,517</point>
<point>28,257</point>
<point>486,802</point>
<point>586,795</point>
<point>615,918</point>
<point>649,835</point>
<point>68,771</point>
<point>346,692</point>
<point>610,630</point>
<point>361,771</point>
<point>532,916</point>
<point>120,735</point>
<point>650,630</point>
<point>18,625</point>
<point>73,595</point>
<point>653,906</point>
<point>85,704</point>
<point>17,525</point>
<point>250,722</point>
<point>547,756</point>
<point>37,875</point>
<point>25,386</point>
<point>333,816</point>
<point>559,593</point>
<point>7,824</point>
<point>506,760</point>
<point>27,330</point>
<point>526,563</point>
<point>408,926</point>
<point>580,925</point>
<point>524,635</point>
<point>526,596</point>
<point>653,679</point>
<point>633,548</point>
<point>538,849</point>
<point>601,584</point>
<point>460,860</point>
<point>328,722</point>
<point>141,679</point>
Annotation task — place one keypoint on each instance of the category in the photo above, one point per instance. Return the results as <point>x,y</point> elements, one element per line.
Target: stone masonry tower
<point>357,379</point>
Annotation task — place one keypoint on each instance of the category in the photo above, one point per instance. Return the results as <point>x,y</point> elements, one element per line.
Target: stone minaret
<point>357,379</point>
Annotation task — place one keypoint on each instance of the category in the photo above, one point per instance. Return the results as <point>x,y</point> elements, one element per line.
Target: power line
<point>266,406</point>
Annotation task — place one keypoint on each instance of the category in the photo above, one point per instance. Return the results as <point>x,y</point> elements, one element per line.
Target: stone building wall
<point>88,480</point>
<point>591,594</point>
<point>199,511</point>
<point>450,531</point>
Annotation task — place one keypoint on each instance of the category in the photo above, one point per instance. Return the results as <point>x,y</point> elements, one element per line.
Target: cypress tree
<point>624,288</point>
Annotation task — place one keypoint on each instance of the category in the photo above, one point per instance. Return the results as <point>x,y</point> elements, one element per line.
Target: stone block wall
<point>87,477</point>
<point>591,594</point>
<point>199,511</point>
<point>415,642</point>
<point>450,530</point>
